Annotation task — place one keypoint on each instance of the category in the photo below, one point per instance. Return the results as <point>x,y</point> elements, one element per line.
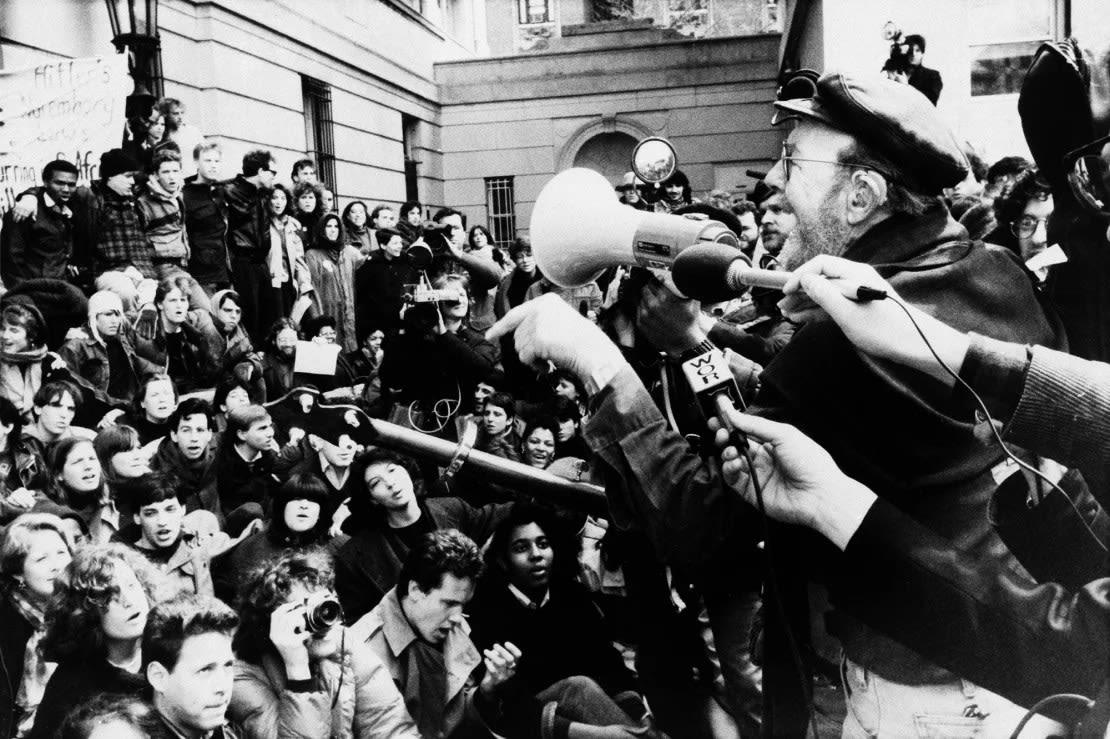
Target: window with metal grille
<point>501,210</point>
<point>534,11</point>
<point>319,131</point>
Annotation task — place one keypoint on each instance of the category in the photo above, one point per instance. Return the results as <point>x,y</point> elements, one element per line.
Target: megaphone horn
<point>579,228</point>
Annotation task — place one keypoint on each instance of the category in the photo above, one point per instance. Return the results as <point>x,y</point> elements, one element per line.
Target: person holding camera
<point>297,673</point>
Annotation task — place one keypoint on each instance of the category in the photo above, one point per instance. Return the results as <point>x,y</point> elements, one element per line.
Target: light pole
<point>135,30</point>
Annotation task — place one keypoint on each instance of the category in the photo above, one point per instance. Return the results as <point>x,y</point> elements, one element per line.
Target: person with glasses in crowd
<point>1023,213</point>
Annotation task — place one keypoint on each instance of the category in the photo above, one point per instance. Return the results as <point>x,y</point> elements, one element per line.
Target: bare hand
<point>21,498</point>
<point>800,482</point>
<point>146,323</point>
<point>296,433</point>
<point>547,329</point>
<point>501,661</point>
<point>111,418</point>
<point>25,207</point>
<point>290,636</point>
<point>672,324</point>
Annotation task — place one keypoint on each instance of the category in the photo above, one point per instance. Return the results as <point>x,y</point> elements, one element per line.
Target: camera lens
<point>322,611</point>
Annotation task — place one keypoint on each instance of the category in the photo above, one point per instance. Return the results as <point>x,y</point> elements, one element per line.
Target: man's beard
<point>829,235</point>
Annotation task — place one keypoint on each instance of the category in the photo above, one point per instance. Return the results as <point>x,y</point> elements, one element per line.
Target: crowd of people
<point>203,537</point>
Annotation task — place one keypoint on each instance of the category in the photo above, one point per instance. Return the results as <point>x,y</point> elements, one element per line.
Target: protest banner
<point>69,109</point>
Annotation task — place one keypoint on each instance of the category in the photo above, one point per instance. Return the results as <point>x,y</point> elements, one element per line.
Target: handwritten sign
<point>69,109</point>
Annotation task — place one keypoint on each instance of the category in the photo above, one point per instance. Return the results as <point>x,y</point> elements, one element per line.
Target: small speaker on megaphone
<point>579,228</point>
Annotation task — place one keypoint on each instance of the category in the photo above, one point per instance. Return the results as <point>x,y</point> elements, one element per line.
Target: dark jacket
<point>238,482</point>
<point>75,681</point>
<point>566,636</point>
<point>429,367</point>
<point>88,358</point>
<point>368,565</point>
<point>379,283</point>
<point>201,349</point>
<point>39,246</point>
<point>248,221</point>
<point>13,642</point>
<point>206,221</point>
<point>198,478</point>
<point>927,81</point>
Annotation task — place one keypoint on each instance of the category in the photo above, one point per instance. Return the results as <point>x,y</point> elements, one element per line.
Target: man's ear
<point>867,193</point>
<point>157,676</point>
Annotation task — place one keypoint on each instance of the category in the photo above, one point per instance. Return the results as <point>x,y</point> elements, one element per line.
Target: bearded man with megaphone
<point>863,170</point>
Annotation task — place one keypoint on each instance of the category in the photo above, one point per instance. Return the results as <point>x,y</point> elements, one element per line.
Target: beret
<point>893,119</point>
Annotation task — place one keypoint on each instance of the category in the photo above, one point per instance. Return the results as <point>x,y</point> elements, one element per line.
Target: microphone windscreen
<point>701,271</point>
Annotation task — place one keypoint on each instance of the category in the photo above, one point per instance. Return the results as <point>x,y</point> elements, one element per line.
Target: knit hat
<point>117,161</point>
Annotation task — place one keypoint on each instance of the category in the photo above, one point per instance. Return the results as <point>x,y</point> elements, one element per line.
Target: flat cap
<point>895,120</point>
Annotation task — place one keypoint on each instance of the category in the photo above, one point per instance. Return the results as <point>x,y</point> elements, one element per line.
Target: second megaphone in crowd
<point>579,228</point>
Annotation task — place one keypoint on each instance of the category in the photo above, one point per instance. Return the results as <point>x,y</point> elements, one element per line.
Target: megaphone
<point>579,228</point>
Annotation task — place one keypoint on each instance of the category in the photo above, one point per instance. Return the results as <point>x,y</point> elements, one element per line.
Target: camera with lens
<point>433,243</point>
<point>322,611</point>
<point>422,293</point>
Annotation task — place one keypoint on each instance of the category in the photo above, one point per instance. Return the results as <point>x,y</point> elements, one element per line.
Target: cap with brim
<point>893,119</point>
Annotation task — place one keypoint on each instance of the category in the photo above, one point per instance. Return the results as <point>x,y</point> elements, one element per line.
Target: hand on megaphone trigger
<point>879,328</point>
<point>548,329</point>
<point>671,323</point>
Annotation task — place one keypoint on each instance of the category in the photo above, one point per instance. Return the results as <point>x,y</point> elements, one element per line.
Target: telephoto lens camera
<point>322,611</point>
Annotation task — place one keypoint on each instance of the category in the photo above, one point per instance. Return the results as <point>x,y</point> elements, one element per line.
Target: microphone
<point>713,272</point>
<point>709,376</point>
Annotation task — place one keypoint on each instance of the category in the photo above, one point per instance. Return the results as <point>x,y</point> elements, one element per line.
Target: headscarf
<point>102,302</point>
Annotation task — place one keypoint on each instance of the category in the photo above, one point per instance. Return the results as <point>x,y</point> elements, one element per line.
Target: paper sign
<point>316,359</point>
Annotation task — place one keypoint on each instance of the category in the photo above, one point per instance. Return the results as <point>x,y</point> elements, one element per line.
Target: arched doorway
<point>608,153</point>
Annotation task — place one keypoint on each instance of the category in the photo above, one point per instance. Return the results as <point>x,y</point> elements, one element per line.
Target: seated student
<point>152,408</point>
<point>187,455</point>
<point>188,662</point>
<point>321,329</point>
<point>244,467</point>
<point>53,407</point>
<point>528,596</point>
<point>21,465</point>
<point>23,345</point>
<point>183,558</point>
<point>297,523</point>
<point>95,629</point>
<point>419,632</point>
<point>237,356</point>
<point>497,435</point>
<point>122,461</point>
<point>277,362</point>
<point>568,440</point>
<point>387,520</point>
<point>108,716</point>
<point>75,482</point>
<point>33,554</point>
<point>328,452</point>
<point>106,355</point>
<point>537,443</point>
<point>186,352</point>
<point>297,675</point>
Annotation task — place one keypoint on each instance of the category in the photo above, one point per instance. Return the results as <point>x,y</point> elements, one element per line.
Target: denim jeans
<point>881,708</point>
<point>581,699</point>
